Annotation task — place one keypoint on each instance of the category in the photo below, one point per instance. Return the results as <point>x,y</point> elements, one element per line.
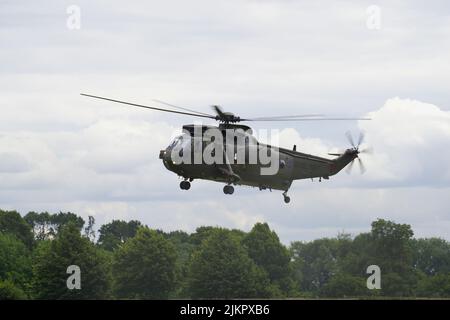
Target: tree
<point>144,266</point>
<point>265,249</point>
<point>46,226</point>
<point>9,291</point>
<point>431,256</point>
<point>113,234</point>
<point>12,222</point>
<point>392,252</point>
<point>184,248</point>
<point>392,245</point>
<point>437,286</point>
<point>63,218</point>
<point>221,268</point>
<point>15,262</point>
<point>89,231</point>
<point>388,246</point>
<point>361,254</point>
<point>344,285</point>
<point>397,285</point>
<point>315,262</point>
<point>52,258</point>
<point>40,224</point>
<point>202,233</point>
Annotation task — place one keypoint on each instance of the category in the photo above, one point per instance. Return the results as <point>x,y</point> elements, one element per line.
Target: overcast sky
<point>61,151</point>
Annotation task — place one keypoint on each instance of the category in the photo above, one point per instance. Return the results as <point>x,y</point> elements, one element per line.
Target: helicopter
<point>229,153</point>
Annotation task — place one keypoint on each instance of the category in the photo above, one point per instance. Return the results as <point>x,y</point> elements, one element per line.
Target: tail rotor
<point>355,150</point>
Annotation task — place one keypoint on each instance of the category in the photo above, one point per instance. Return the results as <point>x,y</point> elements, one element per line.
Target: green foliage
<point>134,262</point>
<point>361,255</point>
<point>265,249</point>
<point>221,268</point>
<point>46,226</point>
<point>431,256</point>
<point>15,262</point>
<point>12,222</point>
<point>9,291</point>
<point>112,235</point>
<point>202,233</point>
<point>343,286</point>
<point>89,231</point>
<point>398,284</point>
<point>435,286</point>
<point>315,262</point>
<point>62,219</point>
<point>184,249</point>
<point>144,266</point>
<point>392,246</point>
<point>52,258</point>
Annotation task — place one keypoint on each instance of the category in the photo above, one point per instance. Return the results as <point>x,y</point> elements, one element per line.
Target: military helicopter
<point>231,163</point>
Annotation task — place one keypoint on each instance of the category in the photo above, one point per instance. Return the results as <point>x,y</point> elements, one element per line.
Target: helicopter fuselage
<point>290,164</point>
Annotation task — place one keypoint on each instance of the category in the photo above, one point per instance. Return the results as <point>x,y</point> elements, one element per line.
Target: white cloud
<point>60,151</point>
<point>410,140</point>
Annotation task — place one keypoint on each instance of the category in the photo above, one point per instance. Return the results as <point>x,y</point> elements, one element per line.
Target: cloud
<point>409,138</point>
<point>13,163</point>
<point>60,151</point>
<point>110,169</point>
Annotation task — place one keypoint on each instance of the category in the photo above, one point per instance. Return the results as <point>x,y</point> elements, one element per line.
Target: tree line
<point>129,260</point>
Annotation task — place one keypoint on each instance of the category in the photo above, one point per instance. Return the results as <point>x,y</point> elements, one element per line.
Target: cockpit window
<point>172,144</point>
<point>175,141</point>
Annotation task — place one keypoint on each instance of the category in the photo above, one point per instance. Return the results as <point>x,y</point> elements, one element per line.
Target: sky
<point>388,60</point>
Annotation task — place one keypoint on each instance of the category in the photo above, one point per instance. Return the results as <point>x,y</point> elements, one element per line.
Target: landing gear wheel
<point>228,189</point>
<point>287,199</point>
<point>185,185</point>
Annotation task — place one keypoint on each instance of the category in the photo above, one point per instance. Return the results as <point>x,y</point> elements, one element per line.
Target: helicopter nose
<point>165,156</point>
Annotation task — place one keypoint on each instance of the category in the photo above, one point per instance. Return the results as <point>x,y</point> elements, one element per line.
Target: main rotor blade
<point>181,108</point>
<point>307,119</point>
<point>287,117</point>
<point>218,110</point>
<point>148,107</point>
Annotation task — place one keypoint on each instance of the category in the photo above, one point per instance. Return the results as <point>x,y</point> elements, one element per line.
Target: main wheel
<point>228,189</point>
<point>287,199</point>
<point>185,185</point>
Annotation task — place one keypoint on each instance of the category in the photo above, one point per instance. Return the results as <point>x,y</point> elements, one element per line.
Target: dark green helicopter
<point>229,153</point>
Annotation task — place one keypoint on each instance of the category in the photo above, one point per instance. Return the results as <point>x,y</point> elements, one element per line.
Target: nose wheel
<point>228,189</point>
<point>287,199</point>
<point>185,185</point>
